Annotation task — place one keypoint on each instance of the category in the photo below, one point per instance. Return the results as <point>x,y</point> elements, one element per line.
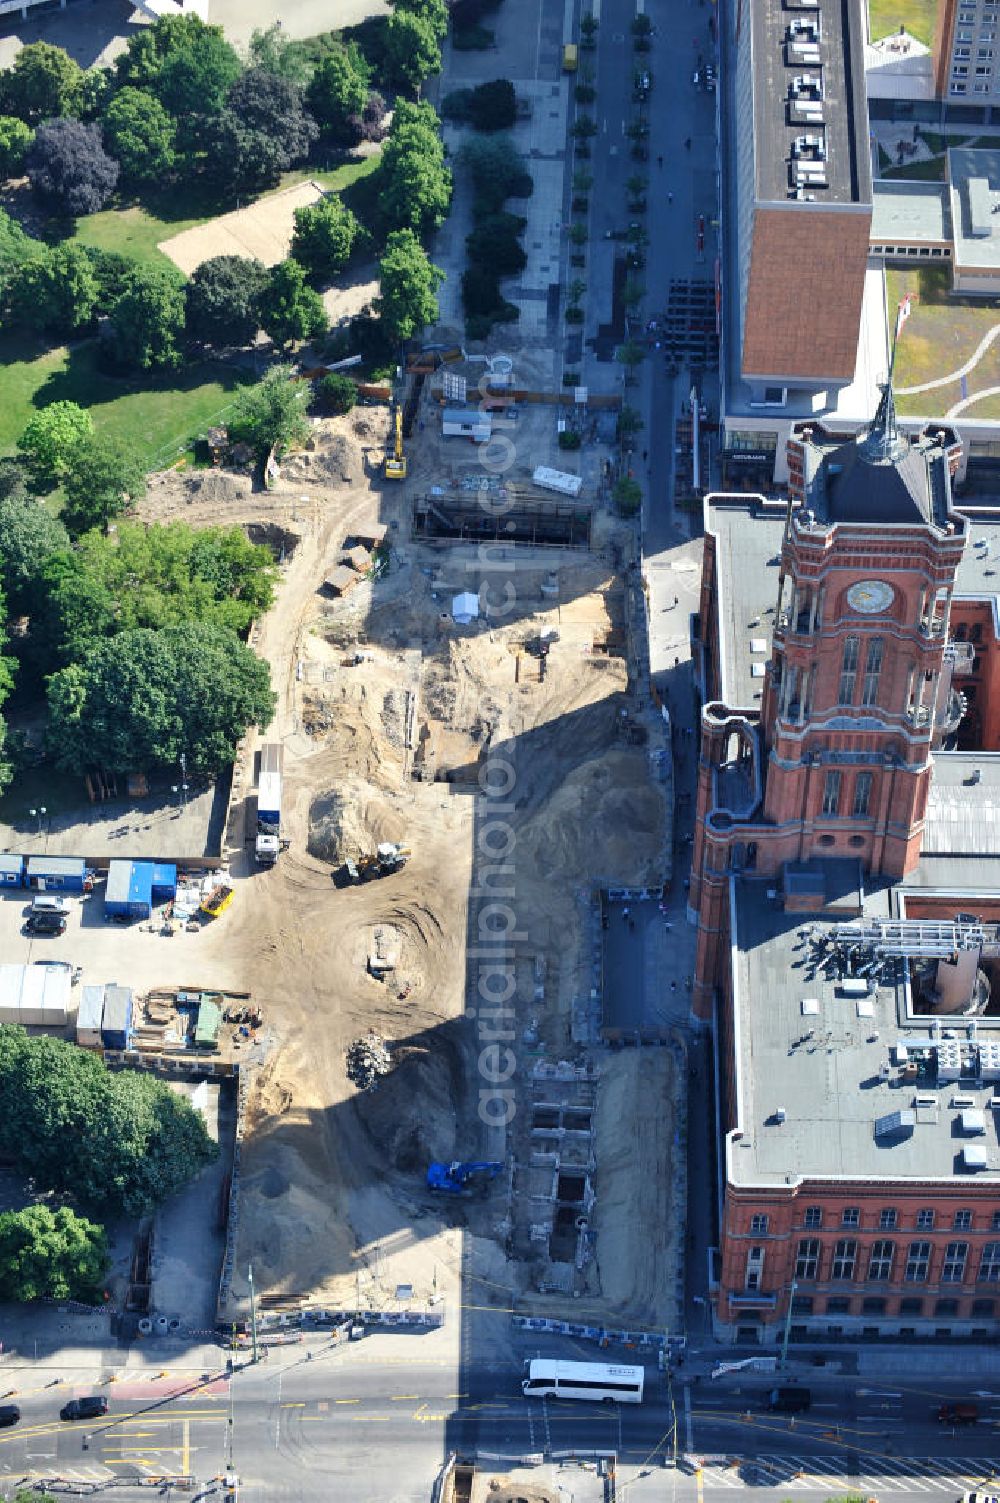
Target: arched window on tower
<point>873,668</point>
<point>849,670</point>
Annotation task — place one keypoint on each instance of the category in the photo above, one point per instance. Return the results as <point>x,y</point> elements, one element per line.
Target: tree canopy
<point>414,183</point>
<point>117,1142</point>
<point>29,536</point>
<point>141,135</point>
<point>272,414</point>
<point>324,238</point>
<point>290,310</point>
<point>151,577</point>
<point>146,323</point>
<point>15,138</point>
<point>105,477</point>
<point>55,292</point>
<point>274,107</point>
<point>223,300</point>
<point>409,283</point>
<point>338,90</point>
<point>45,83</point>
<point>69,169</point>
<point>50,438</point>
<point>412,48</point>
<point>46,1254</point>
<point>145,698</point>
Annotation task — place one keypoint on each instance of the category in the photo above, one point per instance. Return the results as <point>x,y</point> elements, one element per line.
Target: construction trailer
<point>56,873</point>
<point>36,996</point>
<point>11,870</point>
<point>133,887</point>
<point>90,1017</point>
<point>267,846</point>
<point>207,1025</point>
<point>116,1025</point>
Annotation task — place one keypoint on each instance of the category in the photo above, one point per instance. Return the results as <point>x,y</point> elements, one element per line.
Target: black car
<point>91,1407</point>
<point>46,923</point>
<point>9,1415</point>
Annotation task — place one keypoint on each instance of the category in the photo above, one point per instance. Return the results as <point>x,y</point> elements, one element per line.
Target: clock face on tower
<point>870,596</point>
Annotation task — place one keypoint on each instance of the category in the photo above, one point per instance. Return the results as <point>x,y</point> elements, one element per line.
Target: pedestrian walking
<point>625,912</point>
<point>670,198</point>
<point>675,600</point>
<point>687,144</point>
<point>645,453</point>
<point>659,161</point>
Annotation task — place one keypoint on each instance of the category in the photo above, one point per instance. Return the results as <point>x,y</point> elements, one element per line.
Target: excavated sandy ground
<point>332,1186</point>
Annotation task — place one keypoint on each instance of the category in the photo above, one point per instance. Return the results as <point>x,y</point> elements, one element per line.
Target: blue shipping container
<point>164,880</point>
<point>116,1028</point>
<point>11,870</point>
<point>56,873</point>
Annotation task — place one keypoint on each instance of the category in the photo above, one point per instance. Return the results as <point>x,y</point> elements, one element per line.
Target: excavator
<point>387,858</point>
<point>395,463</point>
<point>453,1178</point>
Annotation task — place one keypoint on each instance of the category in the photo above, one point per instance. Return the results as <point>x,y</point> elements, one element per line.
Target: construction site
<point>414,652</point>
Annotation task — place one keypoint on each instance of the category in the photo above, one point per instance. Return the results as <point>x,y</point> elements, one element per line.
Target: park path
<point>963,370</point>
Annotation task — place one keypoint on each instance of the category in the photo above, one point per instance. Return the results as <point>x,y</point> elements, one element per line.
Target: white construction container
<point>90,1017</point>
<point>557,480</point>
<point>36,996</point>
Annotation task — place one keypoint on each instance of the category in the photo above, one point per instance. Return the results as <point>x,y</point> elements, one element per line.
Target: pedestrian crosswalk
<point>831,1474</point>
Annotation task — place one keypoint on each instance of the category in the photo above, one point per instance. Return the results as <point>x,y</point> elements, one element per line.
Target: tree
<point>337,394</point>
<point>412,49</point>
<point>29,536</point>
<point>47,1254</point>
<point>409,283</point>
<point>273,107</point>
<point>272,414</point>
<point>223,300</point>
<point>290,310</point>
<point>142,136</point>
<point>238,160</point>
<point>146,322</point>
<point>630,354</point>
<point>50,439</point>
<point>15,247</point>
<point>15,138</point>
<point>146,698</point>
<point>324,238</point>
<point>69,169</point>
<point>55,293</point>
<point>434,12</point>
<point>628,495</point>
<point>630,422</point>
<point>119,1142</point>
<point>497,170</point>
<point>414,183</point>
<point>494,244</point>
<point>493,106</point>
<point>197,70</point>
<point>105,477</point>
<point>275,52</point>
<point>45,83</point>
<point>370,124</point>
<point>338,90</point>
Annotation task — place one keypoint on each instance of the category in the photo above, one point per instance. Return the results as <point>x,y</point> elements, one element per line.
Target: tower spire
<point>883,443</point>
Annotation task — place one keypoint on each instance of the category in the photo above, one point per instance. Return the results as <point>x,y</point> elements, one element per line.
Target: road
<point>387,1424</point>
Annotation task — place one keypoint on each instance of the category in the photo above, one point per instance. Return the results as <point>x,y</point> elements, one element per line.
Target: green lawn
<point>916,16</point>
<point>156,416</point>
<point>137,230</point>
<point>940,335</point>
<point>928,171</point>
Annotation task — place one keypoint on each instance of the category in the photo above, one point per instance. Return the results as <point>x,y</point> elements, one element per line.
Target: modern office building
<point>797,206</point>
<point>846,891</point>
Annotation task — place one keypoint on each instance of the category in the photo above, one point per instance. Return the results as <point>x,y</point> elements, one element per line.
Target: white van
<point>48,903</point>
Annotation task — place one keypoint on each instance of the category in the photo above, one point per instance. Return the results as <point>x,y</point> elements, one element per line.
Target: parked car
<point>91,1407</point>
<point>958,1413</point>
<point>9,1415</point>
<point>45,923</point>
<point>788,1400</point>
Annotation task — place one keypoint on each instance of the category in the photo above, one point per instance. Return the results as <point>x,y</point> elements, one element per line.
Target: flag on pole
<point>903,313</point>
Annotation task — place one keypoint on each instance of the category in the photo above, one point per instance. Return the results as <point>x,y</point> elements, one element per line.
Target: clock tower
<point>836,759</point>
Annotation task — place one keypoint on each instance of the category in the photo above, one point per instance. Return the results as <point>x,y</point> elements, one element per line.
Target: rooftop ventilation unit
<point>959,1102</point>
<point>974,1159</point>
<point>973,1123</point>
<point>895,1125</point>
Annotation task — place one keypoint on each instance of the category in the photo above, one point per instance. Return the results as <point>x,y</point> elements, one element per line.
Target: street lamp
<point>788,1325</point>
<point>38,814</point>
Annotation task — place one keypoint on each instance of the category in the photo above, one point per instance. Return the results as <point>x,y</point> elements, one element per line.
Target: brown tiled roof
<point>807,275</point>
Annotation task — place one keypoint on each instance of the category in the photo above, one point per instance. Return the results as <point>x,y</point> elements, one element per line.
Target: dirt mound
<point>343,823</point>
<point>606,810</point>
<point>330,458</point>
<point>410,1115</point>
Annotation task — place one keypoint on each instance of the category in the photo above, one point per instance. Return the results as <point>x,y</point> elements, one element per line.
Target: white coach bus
<point>583,1380</point>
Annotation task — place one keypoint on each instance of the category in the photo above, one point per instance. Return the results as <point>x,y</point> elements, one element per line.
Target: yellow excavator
<point>395,463</point>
